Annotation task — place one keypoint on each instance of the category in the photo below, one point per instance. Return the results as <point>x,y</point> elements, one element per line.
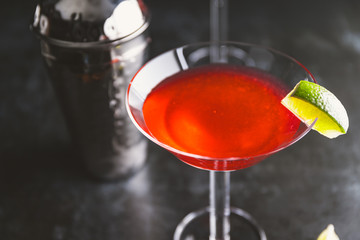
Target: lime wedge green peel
<point>328,234</point>
<point>310,101</point>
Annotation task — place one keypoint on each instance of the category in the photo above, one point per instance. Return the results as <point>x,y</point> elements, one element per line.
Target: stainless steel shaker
<point>91,50</point>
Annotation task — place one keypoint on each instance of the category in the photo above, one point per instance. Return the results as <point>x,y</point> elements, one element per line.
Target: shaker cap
<point>89,20</point>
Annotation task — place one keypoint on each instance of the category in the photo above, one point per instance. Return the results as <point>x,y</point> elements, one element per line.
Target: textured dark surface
<point>45,193</point>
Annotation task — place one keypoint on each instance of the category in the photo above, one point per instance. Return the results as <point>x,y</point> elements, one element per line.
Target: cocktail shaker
<point>91,50</point>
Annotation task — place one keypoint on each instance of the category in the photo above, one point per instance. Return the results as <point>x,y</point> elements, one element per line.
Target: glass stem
<point>218,28</point>
<point>219,181</point>
<point>219,205</point>
<point>218,20</point>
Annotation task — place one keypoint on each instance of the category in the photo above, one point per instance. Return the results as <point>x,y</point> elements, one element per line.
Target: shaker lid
<point>89,20</point>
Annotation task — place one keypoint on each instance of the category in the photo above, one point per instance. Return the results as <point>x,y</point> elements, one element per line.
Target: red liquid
<point>220,111</point>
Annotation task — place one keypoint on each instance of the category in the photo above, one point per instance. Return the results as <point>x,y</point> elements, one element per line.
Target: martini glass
<point>268,67</point>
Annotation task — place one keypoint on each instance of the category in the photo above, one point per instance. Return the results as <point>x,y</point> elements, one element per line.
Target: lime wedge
<point>328,234</point>
<point>310,101</point>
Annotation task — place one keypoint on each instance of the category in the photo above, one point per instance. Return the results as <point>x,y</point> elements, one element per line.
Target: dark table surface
<point>45,193</point>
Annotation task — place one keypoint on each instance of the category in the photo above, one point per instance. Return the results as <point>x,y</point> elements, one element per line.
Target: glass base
<point>195,226</point>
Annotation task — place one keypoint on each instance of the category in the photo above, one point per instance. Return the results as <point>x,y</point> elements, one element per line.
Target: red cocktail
<point>220,111</point>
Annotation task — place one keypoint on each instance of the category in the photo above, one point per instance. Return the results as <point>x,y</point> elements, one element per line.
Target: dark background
<point>45,193</point>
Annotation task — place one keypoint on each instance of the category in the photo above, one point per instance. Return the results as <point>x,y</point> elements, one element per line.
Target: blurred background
<point>46,194</point>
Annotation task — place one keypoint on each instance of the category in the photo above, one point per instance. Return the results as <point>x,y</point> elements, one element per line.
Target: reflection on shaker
<point>90,71</point>
<point>126,18</point>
